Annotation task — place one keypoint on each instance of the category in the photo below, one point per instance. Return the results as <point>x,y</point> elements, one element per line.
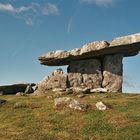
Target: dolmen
<point>96,65</point>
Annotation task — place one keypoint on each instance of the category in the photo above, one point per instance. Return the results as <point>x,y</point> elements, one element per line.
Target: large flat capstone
<point>126,45</point>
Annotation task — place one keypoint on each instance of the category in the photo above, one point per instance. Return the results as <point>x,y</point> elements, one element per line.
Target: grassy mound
<point>36,118</point>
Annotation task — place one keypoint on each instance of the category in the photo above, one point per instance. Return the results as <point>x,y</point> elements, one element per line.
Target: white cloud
<point>30,13</point>
<point>99,2</point>
<point>9,8</point>
<point>50,9</point>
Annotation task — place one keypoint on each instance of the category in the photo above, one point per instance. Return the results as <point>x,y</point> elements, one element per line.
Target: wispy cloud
<point>50,9</point>
<point>99,2</point>
<point>71,19</point>
<point>69,25</point>
<point>30,13</point>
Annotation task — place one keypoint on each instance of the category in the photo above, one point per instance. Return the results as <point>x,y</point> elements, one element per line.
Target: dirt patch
<point>118,120</point>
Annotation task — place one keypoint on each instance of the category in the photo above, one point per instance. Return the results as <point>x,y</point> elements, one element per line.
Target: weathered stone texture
<point>128,45</point>
<point>75,79</point>
<point>62,57</point>
<point>96,66</point>
<point>126,40</point>
<point>112,73</point>
<point>85,73</point>
<point>56,80</point>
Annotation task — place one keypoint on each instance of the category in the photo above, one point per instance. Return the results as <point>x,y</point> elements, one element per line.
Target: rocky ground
<point>55,116</point>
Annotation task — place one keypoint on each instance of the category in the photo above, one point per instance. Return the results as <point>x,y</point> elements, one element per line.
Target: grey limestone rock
<point>56,80</point>
<point>61,57</point>
<point>85,73</point>
<point>21,94</point>
<point>80,90</point>
<point>98,90</point>
<point>112,73</point>
<point>126,40</point>
<point>101,106</point>
<point>128,45</point>
<point>76,105</point>
<point>74,79</point>
<point>62,101</point>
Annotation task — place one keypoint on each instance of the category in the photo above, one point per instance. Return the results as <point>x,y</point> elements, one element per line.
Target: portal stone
<point>112,72</point>
<point>85,73</point>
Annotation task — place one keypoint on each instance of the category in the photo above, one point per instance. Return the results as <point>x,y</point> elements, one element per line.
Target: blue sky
<point>29,28</point>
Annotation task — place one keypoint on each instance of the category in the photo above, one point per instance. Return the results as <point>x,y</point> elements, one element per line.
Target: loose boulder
<point>99,90</point>
<point>62,101</point>
<point>101,106</point>
<point>71,103</point>
<point>21,94</point>
<point>76,105</point>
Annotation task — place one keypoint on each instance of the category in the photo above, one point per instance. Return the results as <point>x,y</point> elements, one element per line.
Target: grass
<point>38,119</point>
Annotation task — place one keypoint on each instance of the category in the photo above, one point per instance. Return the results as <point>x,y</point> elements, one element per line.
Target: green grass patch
<point>38,119</point>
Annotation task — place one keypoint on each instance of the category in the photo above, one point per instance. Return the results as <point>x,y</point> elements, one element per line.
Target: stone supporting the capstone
<point>85,73</point>
<point>112,72</point>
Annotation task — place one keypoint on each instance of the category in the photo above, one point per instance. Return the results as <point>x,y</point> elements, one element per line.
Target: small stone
<point>74,104</point>
<point>49,97</point>
<point>59,90</point>
<point>98,90</point>
<point>21,94</point>
<point>101,106</point>
<point>80,90</point>
<point>61,101</point>
<point>80,95</point>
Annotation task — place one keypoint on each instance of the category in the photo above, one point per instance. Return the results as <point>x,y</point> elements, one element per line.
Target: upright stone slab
<point>85,73</point>
<point>112,72</point>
